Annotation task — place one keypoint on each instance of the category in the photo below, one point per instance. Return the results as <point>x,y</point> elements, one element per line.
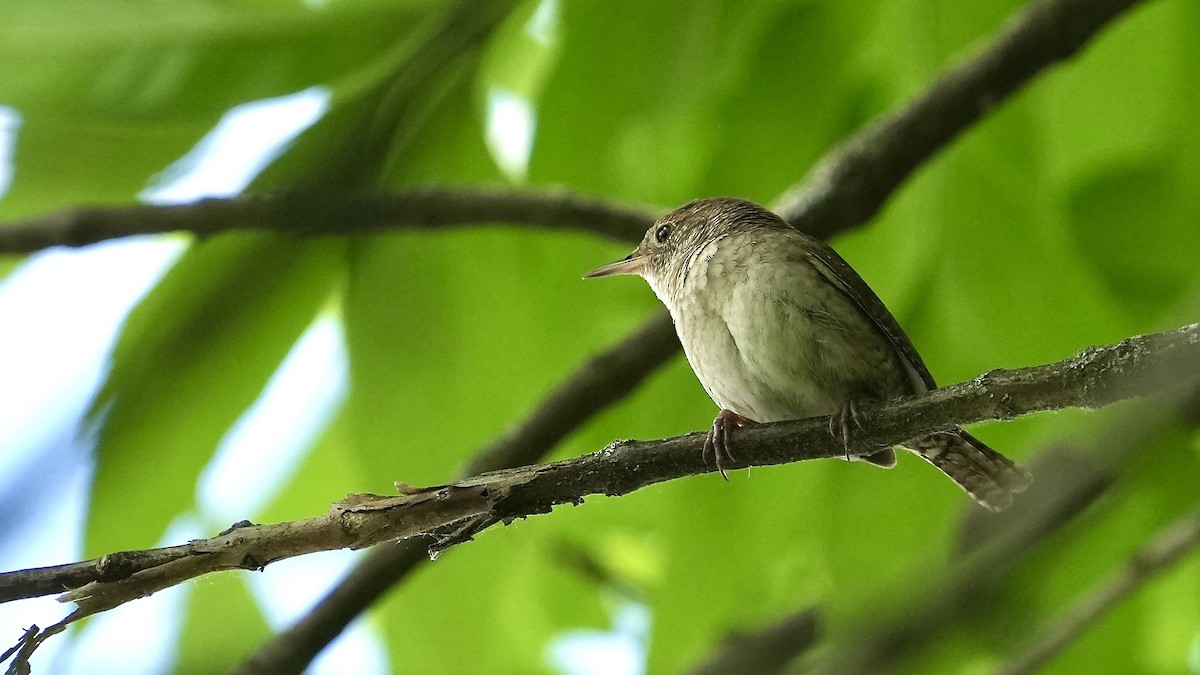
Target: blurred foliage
<point>1067,218</point>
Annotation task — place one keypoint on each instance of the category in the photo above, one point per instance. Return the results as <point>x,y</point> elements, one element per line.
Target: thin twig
<point>1167,548</point>
<point>30,641</point>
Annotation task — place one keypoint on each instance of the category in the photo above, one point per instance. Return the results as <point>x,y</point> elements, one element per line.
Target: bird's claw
<point>839,424</point>
<point>717,441</point>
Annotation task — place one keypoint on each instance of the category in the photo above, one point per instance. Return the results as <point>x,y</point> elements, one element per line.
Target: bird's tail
<point>988,476</point>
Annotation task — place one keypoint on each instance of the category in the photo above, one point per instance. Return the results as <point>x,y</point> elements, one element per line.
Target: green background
<point>1066,218</point>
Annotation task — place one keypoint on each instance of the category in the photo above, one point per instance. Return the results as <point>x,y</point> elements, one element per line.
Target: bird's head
<point>673,242</point>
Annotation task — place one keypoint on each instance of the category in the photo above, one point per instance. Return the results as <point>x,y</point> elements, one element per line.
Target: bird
<point>777,326</point>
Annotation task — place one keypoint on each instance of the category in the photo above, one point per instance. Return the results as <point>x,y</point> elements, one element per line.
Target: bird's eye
<point>661,234</point>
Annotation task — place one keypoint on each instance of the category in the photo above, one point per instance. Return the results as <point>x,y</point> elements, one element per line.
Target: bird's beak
<point>630,264</point>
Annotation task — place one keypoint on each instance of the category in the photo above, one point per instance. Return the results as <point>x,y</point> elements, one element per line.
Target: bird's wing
<point>843,277</point>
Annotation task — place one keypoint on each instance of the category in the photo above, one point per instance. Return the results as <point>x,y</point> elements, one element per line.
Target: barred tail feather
<point>988,476</point>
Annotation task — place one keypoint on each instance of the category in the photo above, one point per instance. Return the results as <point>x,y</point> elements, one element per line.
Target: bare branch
<point>358,522</point>
<point>1167,548</point>
<point>1093,378</point>
<point>852,183</point>
<point>313,213</point>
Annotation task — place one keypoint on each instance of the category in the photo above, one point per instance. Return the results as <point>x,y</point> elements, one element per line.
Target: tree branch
<point>357,522</point>
<point>1167,548</point>
<point>314,213</point>
<point>1093,378</point>
<point>853,182</point>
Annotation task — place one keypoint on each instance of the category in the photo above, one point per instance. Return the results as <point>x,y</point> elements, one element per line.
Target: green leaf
<point>193,355</point>
<point>133,85</point>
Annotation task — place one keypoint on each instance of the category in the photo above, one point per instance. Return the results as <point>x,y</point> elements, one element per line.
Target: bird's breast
<point>771,340</point>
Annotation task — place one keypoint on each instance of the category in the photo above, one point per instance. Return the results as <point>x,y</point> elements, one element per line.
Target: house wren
<point>778,327</point>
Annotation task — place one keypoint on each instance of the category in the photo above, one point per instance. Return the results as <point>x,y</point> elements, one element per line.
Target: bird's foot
<point>717,441</point>
<point>839,424</point>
